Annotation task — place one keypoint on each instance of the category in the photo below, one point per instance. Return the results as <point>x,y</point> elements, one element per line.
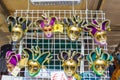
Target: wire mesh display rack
<point>60,41</point>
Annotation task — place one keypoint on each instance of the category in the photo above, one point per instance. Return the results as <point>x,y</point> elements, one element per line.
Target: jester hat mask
<point>36,59</point>
<point>18,27</point>
<point>99,61</point>
<point>70,62</point>
<point>98,31</point>
<point>74,27</point>
<point>12,60</point>
<point>46,24</point>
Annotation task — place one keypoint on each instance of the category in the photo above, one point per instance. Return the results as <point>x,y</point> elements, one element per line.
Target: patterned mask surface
<point>36,59</point>
<point>70,62</point>
<point>98,31</point>
<point>74,27</point>
<point>12,60</point>
<point>47,24</point>
<point>18,27</point>
<point>99,61</point>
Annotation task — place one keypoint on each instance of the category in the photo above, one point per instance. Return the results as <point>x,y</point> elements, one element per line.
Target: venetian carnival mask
<point>99,61</point>
<point>46,24</point>
<point>35,60</point>
<point>74,27</point>
<point>70,62</point>
<point>98,31</point>
<point>12,60</point>
<point>18,27</point>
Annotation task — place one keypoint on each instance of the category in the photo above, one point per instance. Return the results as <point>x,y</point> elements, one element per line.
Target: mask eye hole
<point>96,66</point>
<point>17,33</point>
<point>104,35</point>
<point>66,67</point>
<point>45,30</point>
<point>99,36</point>
<point>72,67</point>
<point>103,66</point>
<point>76,33</point>
<point>35,68</point>
<point>50,29</point>
<point>29,67</point>
<point>71,31</point>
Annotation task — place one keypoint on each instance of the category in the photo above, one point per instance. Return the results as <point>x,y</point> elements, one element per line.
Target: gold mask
<point>101,37</point>
<point>70,67</point>
<point>73,32</point>
<point>74,27</point>
<point>99,66</point>
<point>18,27</point>
<point>99,61</point>
<point>70,62</point>
<point>33,67</point>
<point>36,60</point>
<point>17,33</point>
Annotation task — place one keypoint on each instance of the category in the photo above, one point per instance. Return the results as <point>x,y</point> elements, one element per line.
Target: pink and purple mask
<point>47,26</point>
<point>12,59</point>
<point>98,31</point>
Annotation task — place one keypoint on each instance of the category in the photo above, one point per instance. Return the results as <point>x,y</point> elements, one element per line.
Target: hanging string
<point>73,7</point>
<point>86,11</point>
<point>28,6</point>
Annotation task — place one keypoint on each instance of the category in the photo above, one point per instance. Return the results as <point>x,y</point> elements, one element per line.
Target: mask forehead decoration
<point>98,31</point>
<point>46,24</point>
<point>74,27</point>
<point>36,59</point>
<point>58,26</point>
<point>12,59</point>
<point>70,62</point>
<point>18,27</point>
<point>99,61</point>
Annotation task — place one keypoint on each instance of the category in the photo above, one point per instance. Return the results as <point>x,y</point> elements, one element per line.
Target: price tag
<point>15,71</point>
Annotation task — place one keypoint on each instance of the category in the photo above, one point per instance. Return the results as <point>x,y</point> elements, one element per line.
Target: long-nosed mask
<point>99,61</point>
<point>35,60</point>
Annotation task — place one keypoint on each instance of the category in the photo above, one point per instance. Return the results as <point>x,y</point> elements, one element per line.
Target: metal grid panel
<point>60,42</point>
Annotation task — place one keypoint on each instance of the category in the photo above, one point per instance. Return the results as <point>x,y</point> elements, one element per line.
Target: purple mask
<point>98,31</point>
<point>12,59</point>
<point>47,26</point>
